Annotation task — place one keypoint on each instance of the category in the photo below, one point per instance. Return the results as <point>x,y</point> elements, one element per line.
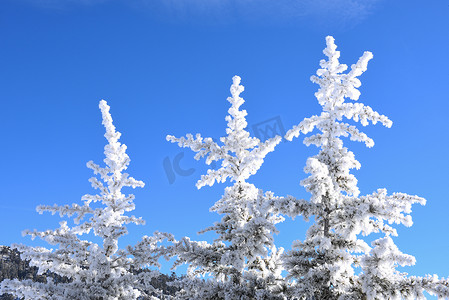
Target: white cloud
<point>335,12</point>
<point>340,12</point>
<point>347,9</point>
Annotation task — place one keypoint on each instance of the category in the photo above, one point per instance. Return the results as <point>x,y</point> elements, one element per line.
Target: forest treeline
<point>13,267</point>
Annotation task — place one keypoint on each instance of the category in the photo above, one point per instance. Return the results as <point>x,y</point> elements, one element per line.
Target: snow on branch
<point>93,271</point>
<point>323,264</point>
<point>334,88</point>
<point>240,155</point>
<point>243,261</point>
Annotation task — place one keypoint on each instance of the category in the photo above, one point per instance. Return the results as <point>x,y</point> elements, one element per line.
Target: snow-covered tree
<point>323,265</point>
<point>243,262</point>
<point>93,271</point>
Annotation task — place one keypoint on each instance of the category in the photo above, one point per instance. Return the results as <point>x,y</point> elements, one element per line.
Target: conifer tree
<point>93,271</point>
<point>243,262</point>
<point>322,265</point>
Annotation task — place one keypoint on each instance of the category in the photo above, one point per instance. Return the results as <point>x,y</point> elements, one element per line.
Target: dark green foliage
<point>12,266</point>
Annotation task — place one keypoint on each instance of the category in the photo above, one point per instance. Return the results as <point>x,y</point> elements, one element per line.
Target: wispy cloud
<point>320,11</point>
<point>348,10</point>
<point>341,11</point>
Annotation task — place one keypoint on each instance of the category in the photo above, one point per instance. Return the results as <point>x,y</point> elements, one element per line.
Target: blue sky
<point>165,67</point>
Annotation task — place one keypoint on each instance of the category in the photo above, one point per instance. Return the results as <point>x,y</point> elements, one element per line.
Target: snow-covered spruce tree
<point>322,265</point>
<point>100,272</point>
<point>243,262</point>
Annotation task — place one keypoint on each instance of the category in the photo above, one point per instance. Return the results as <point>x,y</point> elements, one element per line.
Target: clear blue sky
<point>165,67</point>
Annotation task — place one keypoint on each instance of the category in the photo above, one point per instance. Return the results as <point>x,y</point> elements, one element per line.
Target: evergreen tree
<point>100,272</point>
<point>322,265</point>
<point>243,262</point>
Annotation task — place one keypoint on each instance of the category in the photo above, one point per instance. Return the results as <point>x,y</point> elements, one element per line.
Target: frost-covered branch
<point>93,271</point>
<point>240,155</point>
<point>243,261</point>
<point>323,264</point>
